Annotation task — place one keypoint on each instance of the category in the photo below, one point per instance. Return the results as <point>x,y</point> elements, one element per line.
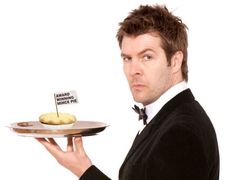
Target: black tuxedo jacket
<point>178,144</point>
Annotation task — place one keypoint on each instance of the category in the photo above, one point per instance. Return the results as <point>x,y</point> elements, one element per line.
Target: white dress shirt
<point>153,108</point>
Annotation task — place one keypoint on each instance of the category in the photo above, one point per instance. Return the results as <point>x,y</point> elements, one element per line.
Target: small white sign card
<point>63,98</point>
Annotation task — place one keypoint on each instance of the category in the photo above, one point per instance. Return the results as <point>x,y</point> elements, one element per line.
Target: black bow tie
<point>142,114</point>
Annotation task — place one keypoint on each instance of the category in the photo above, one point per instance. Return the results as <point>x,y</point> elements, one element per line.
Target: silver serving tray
<point>36,129</point>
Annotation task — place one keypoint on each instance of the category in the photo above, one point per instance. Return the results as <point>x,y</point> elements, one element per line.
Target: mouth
<point>137,86</point>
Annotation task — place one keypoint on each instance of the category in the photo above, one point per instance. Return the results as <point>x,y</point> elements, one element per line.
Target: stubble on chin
<point>137,96</point>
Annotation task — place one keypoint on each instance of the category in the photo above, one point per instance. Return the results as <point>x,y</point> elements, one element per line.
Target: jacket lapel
<point>138,140</point>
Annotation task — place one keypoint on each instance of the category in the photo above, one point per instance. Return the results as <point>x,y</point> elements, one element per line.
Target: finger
<point>52,141</point>
<point>52,147</point>
<point>41,140</point>
<point>78,143</point>
<point>70,147</point>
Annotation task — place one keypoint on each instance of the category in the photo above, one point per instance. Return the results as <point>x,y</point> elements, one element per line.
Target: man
<point>178,141</point>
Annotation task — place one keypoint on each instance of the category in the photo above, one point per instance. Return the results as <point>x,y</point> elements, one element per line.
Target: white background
<point>50,46</point>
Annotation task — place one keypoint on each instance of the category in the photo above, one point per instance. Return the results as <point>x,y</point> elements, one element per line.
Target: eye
<point>147,58</point>
<point>126,59</point>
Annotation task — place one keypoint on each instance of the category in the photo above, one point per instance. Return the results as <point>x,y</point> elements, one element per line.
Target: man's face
<point>145,67</point>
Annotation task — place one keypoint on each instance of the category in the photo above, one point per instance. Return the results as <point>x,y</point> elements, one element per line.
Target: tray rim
<point>42,131</point>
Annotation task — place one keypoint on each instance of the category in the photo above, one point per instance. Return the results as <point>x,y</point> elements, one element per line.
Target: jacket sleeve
<point>179,156</point>
<point>93,173</point>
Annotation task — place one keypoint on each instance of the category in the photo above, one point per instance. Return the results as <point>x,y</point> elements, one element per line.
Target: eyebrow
<point>139,53</point>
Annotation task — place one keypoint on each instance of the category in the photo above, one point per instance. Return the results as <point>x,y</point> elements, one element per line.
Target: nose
<point>135,68</point>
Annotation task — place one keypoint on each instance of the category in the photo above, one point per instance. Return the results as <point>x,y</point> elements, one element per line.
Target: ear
<point>176,62</point>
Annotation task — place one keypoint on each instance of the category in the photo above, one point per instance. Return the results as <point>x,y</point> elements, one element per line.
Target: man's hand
<point>75,158</point>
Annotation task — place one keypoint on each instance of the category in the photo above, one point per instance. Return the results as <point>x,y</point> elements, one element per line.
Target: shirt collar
<point>153,108</point>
